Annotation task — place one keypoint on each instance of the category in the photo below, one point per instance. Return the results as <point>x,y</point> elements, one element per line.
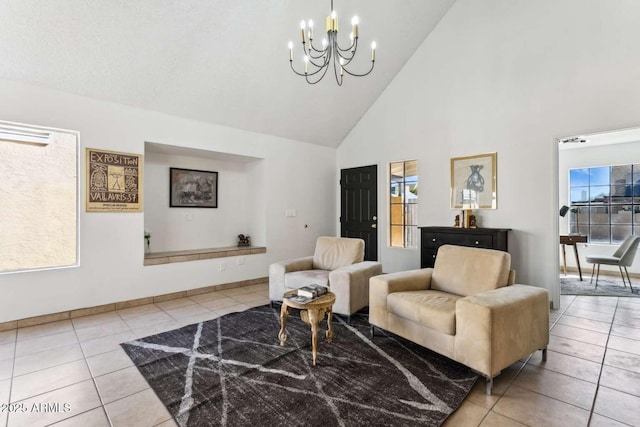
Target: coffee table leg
<point>313,321</point>
<point>329,325</point>
<point>284,311</point>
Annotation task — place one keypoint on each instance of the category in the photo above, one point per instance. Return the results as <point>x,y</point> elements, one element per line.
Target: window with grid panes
<point>403,204</point>
<point>605,202</point>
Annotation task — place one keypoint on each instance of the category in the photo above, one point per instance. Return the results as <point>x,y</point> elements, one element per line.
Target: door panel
<point>359,207</point>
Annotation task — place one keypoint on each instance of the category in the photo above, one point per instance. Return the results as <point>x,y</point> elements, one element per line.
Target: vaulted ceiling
<point>219,61</point>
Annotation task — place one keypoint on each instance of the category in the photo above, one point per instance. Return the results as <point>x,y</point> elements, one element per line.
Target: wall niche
<point>240,200</point>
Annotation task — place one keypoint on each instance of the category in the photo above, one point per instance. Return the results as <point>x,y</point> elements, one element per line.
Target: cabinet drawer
<point>476,241</point>
<point>435,240</point>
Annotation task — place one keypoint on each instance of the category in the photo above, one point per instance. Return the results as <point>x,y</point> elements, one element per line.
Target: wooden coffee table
<point>312,313</point>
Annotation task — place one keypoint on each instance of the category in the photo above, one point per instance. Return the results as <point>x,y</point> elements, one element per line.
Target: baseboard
<point>72,314</point>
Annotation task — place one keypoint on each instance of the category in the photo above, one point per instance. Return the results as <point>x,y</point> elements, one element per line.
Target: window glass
<point>599,176</point>
<point>579,177</point>
<point>38,198</point>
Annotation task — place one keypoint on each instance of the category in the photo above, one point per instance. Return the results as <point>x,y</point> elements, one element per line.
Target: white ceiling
<point>219,61</point>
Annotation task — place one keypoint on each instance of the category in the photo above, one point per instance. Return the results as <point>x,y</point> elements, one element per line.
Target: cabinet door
<point>428,258</point>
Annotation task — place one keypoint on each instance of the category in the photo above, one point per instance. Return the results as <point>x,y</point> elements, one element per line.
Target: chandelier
<point>317,61</point>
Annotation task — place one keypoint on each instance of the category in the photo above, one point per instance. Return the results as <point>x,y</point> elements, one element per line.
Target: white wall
<point>507,76</point>
<point>586,157</point>
<point>295,176</point>
<point>175,228</point>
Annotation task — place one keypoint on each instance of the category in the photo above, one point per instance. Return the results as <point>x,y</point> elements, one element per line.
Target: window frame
<point>586,210</point>
<point>4,124</point>
<point>391,182</point>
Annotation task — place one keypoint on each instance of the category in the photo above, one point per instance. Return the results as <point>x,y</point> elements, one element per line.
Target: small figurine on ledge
<point>472,221</point>
<point>243,240</point>
<point>457,223</point>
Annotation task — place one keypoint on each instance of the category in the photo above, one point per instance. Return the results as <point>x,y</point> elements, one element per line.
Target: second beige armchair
<point>465,308</point>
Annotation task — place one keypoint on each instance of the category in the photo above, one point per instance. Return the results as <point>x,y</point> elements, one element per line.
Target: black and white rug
<point>232,371</point>
<point>608,286</point>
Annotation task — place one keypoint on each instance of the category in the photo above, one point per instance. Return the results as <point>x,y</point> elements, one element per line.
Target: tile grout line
<point>93,380</point>
<point>606,348</point>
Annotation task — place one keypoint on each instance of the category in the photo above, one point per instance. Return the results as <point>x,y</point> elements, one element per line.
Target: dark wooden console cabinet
<point>431,238</point>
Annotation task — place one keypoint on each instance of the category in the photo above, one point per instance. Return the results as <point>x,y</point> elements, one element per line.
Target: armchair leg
<point>597,275</point>
<point>372,330</point>
<point>593,270</point>
<point>489,385</point>
<point>544,354</point>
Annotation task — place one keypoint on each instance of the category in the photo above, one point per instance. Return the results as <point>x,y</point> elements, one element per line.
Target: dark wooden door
<point>359,207</point>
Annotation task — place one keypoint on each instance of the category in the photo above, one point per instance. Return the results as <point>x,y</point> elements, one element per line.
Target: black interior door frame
<point>359,207</point>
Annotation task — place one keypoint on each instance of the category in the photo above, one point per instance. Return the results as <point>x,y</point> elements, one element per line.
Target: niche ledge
<point>157,258</point>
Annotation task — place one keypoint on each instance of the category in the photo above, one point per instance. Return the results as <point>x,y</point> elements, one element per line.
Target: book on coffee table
<point>299,299</point>
<point>312,291</point>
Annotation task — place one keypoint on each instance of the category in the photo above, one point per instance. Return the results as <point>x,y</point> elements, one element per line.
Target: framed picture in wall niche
<point>474,182</point>
<point>189,188</point>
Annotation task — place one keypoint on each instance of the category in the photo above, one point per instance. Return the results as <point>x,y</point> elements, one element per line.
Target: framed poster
<point>474,182</point>
<point>114,181</point>
<point>190,188</point>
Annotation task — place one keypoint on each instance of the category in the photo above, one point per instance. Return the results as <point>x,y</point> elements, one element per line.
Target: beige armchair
<point>337,263</point>
<point>465,308</point>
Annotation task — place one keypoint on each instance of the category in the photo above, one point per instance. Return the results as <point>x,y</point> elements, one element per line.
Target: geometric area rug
<point>232,371</point>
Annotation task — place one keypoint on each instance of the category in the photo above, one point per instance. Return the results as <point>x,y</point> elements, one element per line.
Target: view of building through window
<point>403,204</point>
<point>39,204</point>
<point>605,202</point>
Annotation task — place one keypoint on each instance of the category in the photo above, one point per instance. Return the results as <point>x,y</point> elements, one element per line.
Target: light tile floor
<point>74,373</point>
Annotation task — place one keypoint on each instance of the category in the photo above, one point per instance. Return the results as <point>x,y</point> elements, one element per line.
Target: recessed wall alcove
<point>189,230</point>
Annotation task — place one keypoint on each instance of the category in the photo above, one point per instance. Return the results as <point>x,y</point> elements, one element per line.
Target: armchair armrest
<point>496,328</point>
<point>381,286</point>
<point>351,285</point>
<point>277,271</point>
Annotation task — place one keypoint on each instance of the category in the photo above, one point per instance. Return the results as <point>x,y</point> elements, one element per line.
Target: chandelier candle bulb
<point>302,27</point>
<point>373,51</point>
<point>310,29</point>
<point>306,63</point>
<point>354,22</point>
<point>290,51</point>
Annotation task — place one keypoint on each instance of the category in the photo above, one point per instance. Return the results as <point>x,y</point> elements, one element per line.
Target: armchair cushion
<point>336,252</point>
<point>298,279</point>
<point>467,271</point>
<point>433,309</point>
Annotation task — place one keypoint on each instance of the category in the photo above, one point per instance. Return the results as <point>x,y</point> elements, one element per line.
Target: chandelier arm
<point>294,70</point>
<point>320,78</point>
<point>352,48</point>
<point>322,54</point>
<point>314,48</point>
<point>312,62</point>
<point>360,75</point>
<point>307,74</point>
<point>335,73</point>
